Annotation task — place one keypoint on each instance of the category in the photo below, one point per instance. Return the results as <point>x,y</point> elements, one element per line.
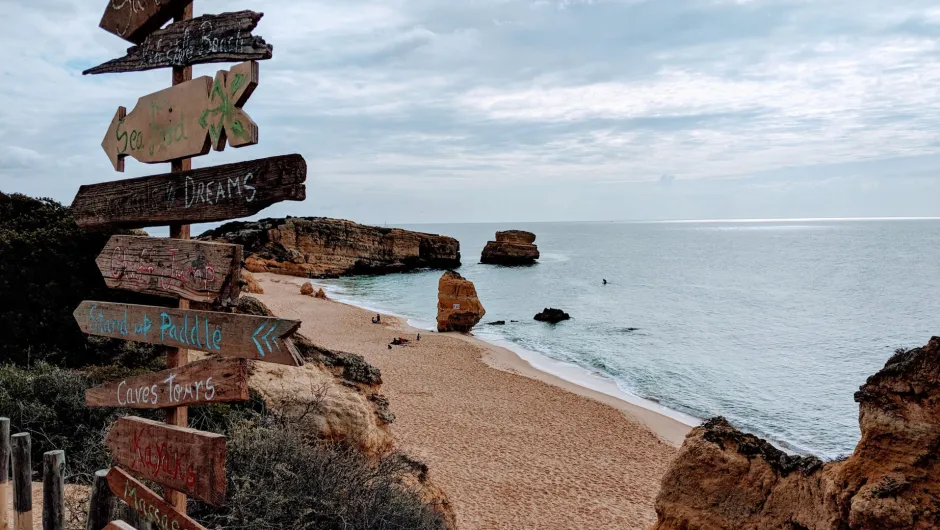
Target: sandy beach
<point>513,447</point>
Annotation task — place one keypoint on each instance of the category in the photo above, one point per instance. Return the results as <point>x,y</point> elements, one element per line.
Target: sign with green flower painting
<point>186,120</point>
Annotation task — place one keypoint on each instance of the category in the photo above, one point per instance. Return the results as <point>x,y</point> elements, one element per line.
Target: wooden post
<point>5,473</point>
<point>99,502</point>
<point>178,357</point>
<point>22,482</point>
<point>53,491</point>
<point>104,506</point>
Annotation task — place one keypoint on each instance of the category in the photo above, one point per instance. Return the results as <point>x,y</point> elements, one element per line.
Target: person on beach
<point>418,338</point>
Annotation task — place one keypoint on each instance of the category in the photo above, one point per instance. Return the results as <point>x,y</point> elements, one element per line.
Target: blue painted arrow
<point>265,336</point>
<point>258,344</point>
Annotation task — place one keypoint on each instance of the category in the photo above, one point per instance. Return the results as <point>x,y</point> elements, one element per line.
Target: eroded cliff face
<point>320,247</point>
<point>725,479</point>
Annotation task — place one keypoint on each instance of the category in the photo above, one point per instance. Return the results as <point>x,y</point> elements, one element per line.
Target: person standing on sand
<point>418,338</point>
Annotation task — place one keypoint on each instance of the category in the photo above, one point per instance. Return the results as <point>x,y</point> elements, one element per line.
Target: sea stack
<point>458,308</point>
<point>512,247</point>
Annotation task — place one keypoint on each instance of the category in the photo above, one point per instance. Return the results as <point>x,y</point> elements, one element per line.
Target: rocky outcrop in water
<point>552,315</point>
<point>320,247</point>
<point>458,308</point>
<point>512,247</point>
<point>725,479</point>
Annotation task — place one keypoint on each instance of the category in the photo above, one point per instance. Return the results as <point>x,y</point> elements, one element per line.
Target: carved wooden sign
<point>196,196</point>
<point>206,39</point>
<point>148,505</point>
<point>198,383</point>
<point>133,20</point>
<point>226,334</point>
<point>184,459</point>
<point>175,268</point>
<point>185,120</point>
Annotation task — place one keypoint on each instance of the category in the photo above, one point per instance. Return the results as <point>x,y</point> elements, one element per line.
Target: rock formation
<point>552,315</point>
<point>306,289</point>
<point>251,283</point>
<point>512,247</point>
<point>725,479</point>
<point>458,308</point>
<point>320,247</point>
<point>321,294</point>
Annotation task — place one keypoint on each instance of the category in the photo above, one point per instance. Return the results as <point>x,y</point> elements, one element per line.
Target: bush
<point>49,403</point>
<point>278,478</point>
<point>47,269</point>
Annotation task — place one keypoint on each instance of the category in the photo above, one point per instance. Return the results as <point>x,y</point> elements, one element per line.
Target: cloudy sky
<point>529,110</point>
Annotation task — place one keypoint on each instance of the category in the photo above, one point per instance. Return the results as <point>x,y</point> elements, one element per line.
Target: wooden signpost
<point>148,504</point>
<point>186,460</point>
<point>198,383</point>
<point>192,270</point>
<point>196,196</point>
<point>206,39</point>
<point>186,119</point>
<point>225,334</point>
<point>172,125</point>
<point>133,20</point>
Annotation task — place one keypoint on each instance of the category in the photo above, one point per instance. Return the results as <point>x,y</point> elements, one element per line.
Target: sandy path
<point>511,451</point>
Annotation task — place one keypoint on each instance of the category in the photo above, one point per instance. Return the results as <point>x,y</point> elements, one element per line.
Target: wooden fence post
<point>104,507</point>
<point>5,451</point>
<point>53,491</point>
<point>22,482</point>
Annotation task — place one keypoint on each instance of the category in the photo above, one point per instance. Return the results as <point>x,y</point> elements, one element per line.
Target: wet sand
<point>512,446</point>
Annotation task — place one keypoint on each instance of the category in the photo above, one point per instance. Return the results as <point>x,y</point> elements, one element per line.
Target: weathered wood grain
<point>185,120</point>
<point>198,383</point>
<point>149,506</point>
<point>175,268</point>
<point>184,459</point>
<point>208,39</point>
<point>227,334</point>
<point>196,196</point>
<point>5,451</point>
<point>22,482</point>
<point>53,490</point>
<point>133,20</point>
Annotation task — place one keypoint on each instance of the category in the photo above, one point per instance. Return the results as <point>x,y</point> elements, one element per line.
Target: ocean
<point>771,324</point>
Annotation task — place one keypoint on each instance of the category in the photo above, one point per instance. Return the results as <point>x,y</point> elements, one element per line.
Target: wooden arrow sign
<point>133,20</point>
<point>226,334</point>
<point>183,459</point>
<point>206,39</point>
<point>175,268</point>
<point>186,119</point>
<point>148,505</point>
<point>196,196</point>
<point>198,383</point>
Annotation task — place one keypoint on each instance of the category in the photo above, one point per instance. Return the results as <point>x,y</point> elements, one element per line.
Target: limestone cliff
<point>321,247</point>
<point>725,479</point>
<point>512,247</point>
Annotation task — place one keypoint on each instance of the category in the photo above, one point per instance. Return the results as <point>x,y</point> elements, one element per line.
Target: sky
<point>433,111</point>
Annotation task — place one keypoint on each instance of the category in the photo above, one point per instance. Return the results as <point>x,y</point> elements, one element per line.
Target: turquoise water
<point>773,325</point>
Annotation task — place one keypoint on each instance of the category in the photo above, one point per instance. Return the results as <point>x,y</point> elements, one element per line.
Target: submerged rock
<point>321,247</point>
<point>725,479</point>
<point>458,308</point>
<point>552,315</point>
<point>497,323</point>
<point>512,247</point>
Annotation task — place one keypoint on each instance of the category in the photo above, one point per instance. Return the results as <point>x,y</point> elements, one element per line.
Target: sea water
<point>773,325</point>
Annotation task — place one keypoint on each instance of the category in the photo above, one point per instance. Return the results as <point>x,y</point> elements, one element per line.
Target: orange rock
<point>512,247</point>
<point>458,308</point>
<point>725,479</point>
<point>251,283</point>
<point>321,294</point>
<point>306,289</point>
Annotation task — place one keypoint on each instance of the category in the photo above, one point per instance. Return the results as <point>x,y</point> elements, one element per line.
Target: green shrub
<point>49,403</point>
<point>47,267</point>
<point>279,478</point>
